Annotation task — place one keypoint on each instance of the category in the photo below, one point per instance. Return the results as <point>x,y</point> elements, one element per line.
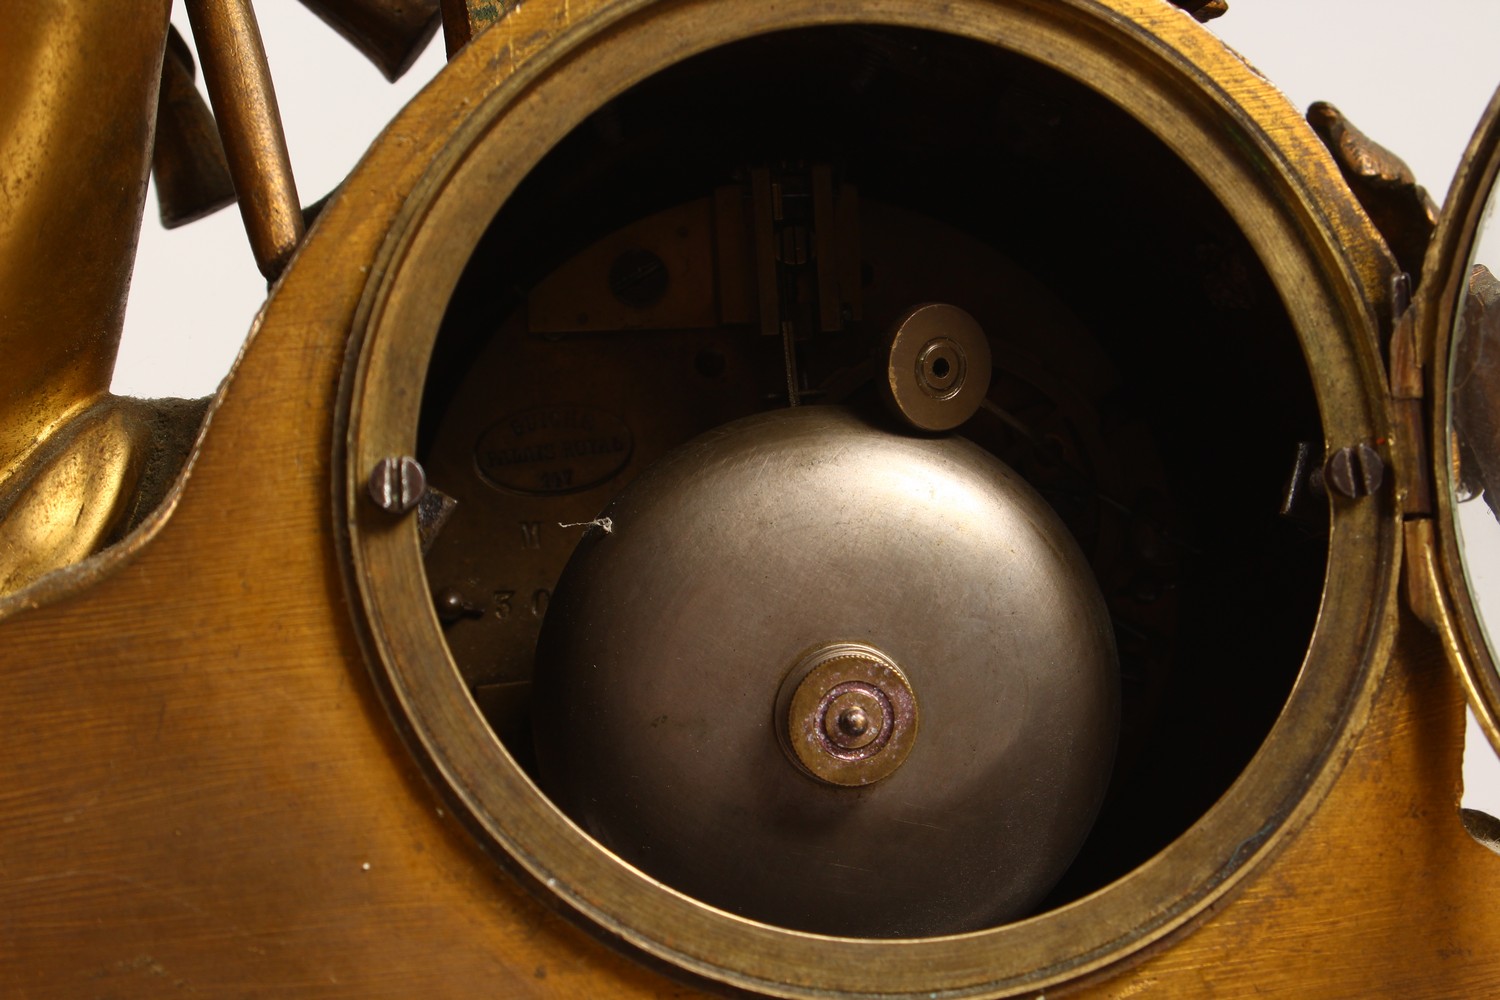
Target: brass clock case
<point>1268,171</point>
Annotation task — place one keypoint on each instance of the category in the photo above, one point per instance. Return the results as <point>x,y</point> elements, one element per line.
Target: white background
<point>1414,76</point>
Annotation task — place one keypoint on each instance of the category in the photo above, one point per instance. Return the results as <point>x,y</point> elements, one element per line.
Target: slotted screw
<point>397,484</point>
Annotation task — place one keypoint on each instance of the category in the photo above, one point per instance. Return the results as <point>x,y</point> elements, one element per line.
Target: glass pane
<point>1474,428</point>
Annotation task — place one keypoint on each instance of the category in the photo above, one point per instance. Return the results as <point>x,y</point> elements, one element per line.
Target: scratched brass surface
<point>202,790</point>
<point>463,19</point>
<point>72,494</point>
<point>78,88</point>
<point>1399,207</point>
<point>233,59</point>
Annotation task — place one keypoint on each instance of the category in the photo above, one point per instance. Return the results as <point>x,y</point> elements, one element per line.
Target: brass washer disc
<point>825,683</point>
<point>938,367</point>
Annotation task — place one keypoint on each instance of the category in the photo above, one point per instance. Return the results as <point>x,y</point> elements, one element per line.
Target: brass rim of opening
<point>1275,180</point>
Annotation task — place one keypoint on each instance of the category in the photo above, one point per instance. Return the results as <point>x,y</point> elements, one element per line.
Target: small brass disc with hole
<point>938,367</point>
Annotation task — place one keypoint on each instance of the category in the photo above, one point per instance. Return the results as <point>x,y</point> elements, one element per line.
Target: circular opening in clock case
<point>695,253</point>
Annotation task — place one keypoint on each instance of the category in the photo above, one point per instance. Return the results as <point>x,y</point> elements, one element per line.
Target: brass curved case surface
<point>1275,180</point>
<point>203,788</point>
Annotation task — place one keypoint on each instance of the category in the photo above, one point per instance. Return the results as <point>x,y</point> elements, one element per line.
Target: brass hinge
<point>1414,471</point>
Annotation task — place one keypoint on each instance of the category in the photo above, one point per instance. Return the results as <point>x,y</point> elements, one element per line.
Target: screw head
<point>853,722</point>
<point>451,605</point>
<point>397,484</point>
<point>1354,471</point>
<point>854,717</point>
